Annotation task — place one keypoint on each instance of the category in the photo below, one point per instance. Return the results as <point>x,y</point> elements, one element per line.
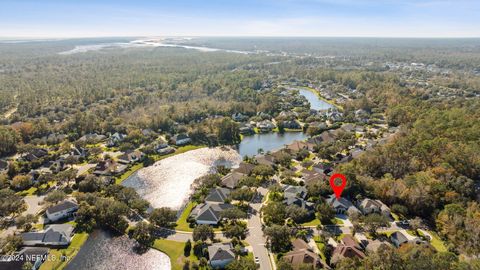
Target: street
<point>255,237</point>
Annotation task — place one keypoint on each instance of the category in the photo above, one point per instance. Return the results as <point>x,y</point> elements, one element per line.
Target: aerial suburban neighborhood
<point>239,135</point>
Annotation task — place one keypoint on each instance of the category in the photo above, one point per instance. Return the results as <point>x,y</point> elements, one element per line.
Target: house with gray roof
<point>218,195</point>
<point>342,205</point>
<point>61,210</point>
<point>220,255</point>
<point>209,213</point>
<point>294,191</point>
<point>55,235</point>
<point>399,238</point>
<point>368,206</point>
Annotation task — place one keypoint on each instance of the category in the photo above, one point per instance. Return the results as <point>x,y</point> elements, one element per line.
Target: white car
<point>257,260</point>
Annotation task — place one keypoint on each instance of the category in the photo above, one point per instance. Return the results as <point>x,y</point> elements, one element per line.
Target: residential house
<point>108,168</point>
<point>347,248</point>
<point>265,126</point>
<point>238,117</point>
<point>220,255</point>
<point>265,160</point>
<point>209,213</point>
<point>181,139</point>
<point>399,238</point>
<point>58,235</point>
<point>375,245</point>
<point>218,195</point>
<point>298,146</point>
<point>246,129</point>
<point>368,206</point>
<point>294,191</point>
<point>164,149</point>
<point>92,138</point>
<point>302,203</point>
<point>291,124</point>
<point>115,139</point>
<point>61,210</point>
<point>34,154</point>
<point>342,205</point>
<point>322,168</point>
<point>303,254</point>
<point>79,152</point>
<point>244,168</point>
<point>130,156</point>
<point>231,180</point>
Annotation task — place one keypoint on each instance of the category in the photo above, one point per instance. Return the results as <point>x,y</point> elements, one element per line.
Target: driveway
<point>255,236</point>
<point>33,204</point>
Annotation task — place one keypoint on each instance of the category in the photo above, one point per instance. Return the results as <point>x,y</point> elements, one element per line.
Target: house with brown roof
<point>265,160</point>
<point>348,248</point>
<point>231,180</point>
<point>244,168</point>
<point>303,254</point>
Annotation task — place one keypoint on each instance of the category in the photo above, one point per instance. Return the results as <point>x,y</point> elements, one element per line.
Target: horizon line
<point>223,36</point>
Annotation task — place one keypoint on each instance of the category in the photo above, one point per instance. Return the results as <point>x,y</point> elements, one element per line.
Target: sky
<point>332,18</point>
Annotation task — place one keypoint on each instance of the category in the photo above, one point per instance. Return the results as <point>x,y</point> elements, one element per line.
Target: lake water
<point>315,102</point>
<point>104,251</point>
<point>168,182</point>
<point>268,142</point>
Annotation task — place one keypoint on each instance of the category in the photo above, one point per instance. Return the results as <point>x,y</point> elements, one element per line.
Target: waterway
<point>105,251</point>
<point>168,183</point>
<point>315,102</point>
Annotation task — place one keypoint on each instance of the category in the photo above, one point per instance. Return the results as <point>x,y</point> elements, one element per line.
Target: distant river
<point>267,142</point>
<point>315,102</point>
<point>104,251</point>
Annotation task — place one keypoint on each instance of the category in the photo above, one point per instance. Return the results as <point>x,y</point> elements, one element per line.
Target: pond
<point>104,251</point>
<point>268,142</point>
<point>168,182</point>
<point>315,102</point>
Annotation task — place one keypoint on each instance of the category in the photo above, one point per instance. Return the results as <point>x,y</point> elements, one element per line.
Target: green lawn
<point>313,222</point>
<point>31,191</point>
<point>77,241</point>
<point>337,221</point>
<point>321,247</point>
<point>437,243</point>
<point>174,250</point>
<point>182,224</point>
<point>126,174</point>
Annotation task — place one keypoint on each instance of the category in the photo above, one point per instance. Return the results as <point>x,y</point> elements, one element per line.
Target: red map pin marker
<point>338,189</point>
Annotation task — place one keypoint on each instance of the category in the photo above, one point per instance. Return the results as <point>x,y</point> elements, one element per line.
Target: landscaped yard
<point>313,222</point>
<point>182,224</point>
<point>77,241</point>
<point>436,242</point>
<point>174,250</point>
<point>321,247</point>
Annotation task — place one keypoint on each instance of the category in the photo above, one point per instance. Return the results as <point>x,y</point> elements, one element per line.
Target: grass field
<point>313,222</point>
<point>174,251</point>
<point>182,224</point>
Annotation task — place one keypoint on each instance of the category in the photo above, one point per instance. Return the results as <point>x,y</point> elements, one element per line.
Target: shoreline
<point>321,97</point>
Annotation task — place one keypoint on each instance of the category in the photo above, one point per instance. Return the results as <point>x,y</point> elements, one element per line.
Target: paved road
<point>255,237</point>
